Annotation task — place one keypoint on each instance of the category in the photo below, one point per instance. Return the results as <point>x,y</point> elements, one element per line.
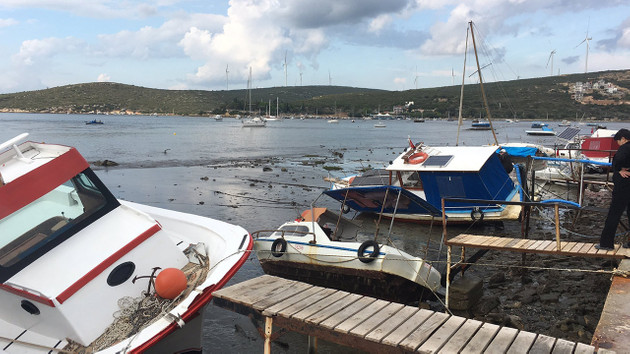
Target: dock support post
<point>448,272</point>
<point>312,345</point>
<point>268,329</point>
<point>557,212</point>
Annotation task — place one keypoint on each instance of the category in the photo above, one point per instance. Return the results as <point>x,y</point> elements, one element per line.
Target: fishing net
<point>137,313</point>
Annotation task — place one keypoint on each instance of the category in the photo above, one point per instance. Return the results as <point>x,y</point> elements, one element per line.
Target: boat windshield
<point>39,226</point>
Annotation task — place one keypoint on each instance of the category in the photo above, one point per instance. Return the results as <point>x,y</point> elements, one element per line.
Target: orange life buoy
<point>418,157</point>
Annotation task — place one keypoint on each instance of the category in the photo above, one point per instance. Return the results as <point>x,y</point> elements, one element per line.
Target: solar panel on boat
<point>568,133</point>
<point>437,160</point>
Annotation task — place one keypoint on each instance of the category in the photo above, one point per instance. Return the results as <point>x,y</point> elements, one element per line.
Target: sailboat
<point>252,121</point>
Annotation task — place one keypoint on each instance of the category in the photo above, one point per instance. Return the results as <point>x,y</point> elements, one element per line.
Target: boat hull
<point>372,283</point>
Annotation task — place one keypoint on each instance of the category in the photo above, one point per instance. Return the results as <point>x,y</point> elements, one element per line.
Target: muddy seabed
<point>558,296</point>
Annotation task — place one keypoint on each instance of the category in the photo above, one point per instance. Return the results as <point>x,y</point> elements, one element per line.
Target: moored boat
<point>81,271</point>
<point>324,248</point>
<point>433,173</point>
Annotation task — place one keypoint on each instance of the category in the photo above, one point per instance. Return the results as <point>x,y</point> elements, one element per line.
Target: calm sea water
<point>215,168</point>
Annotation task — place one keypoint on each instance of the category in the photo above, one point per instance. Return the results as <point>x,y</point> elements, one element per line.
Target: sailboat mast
<point>483,94</point>
<point>461,93</point>
<point>249,84</point>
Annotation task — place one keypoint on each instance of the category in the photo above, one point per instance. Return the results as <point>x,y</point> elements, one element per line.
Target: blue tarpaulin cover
<point>371,199</point>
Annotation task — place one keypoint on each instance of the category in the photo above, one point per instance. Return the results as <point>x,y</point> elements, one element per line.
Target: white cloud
<point>94,8</point>
<point>7,22</point>
<point>36,50</point>
<point>624,40</point>
<point>103,78</point>
<point>151,42</point>
<point>378,23</point>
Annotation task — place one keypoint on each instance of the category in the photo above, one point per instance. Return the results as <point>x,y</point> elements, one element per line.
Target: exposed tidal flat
<point>260,178</point>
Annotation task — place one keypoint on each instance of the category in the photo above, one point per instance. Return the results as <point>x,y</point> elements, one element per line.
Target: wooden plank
<point>319,305</point>
<point>502,340</point>
<point>488,240</point>
<point>414,321</point>
<point>377,318</point>
<point>334,307</point>
<point>481,339</point>
<point>422,333</point>
<point>504,241</point>
<point>520,243</point>
<point>347,325</point>
<point>563,346</point>
<point>252,285</point>
<point>590,250</point>
<point>387,327</point>
<point>534,244</point>
<point>544,244</point>
<point>552,247</point>
<point>577,247</point>
<point>306,302</point>
<point>348,311</point>
<point>513,242</point>
<point>442,335</point>
<point>543,344</point>
<point>527,244</point>
<point>461,338</point>
<point>275,309</point>
<point>500,241</point>
<point>281,293</point>
<point>363,304</point>
<point>522,342</point>
<point>582,348</point>
<point>566,246</point>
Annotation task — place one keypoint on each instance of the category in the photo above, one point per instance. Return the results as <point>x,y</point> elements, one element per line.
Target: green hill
<point>536,98</point>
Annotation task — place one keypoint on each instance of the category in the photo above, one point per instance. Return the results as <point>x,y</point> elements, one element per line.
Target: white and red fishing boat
<point>81,271</point>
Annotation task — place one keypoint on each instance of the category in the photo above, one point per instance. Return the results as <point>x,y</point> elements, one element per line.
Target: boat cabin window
<point>37,227</point>
<point>411,179</point>
<point>293,230</point>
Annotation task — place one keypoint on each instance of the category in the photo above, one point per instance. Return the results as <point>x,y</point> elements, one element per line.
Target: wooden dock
<point>375,325</point>
<point>582,249</point>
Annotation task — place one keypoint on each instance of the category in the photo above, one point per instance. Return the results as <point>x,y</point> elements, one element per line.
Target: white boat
<point>254,122</point>
<point>380,125</point>
<point>544,131</point>
<point>79,268</point>
<point>333,121</point>
<point>433,173</point>
<point>322,248</point>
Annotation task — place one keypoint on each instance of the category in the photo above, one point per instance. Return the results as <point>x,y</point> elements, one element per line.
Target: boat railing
<point>283,233</point>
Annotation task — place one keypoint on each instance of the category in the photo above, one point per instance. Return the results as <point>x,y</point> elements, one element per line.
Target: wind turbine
<point>415,80</point>
<point>550,60</point>
<point>586,39</point>
<point>227,77</point>
<point>329,79</point>
<point>285,68</point>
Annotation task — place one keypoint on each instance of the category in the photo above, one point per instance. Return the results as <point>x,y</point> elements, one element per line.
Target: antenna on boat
<point>483,93</point>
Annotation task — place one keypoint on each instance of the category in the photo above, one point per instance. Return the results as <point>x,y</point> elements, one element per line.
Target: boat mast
<point>461,94</point>
<point>249,88</point>
<point>483,94</point>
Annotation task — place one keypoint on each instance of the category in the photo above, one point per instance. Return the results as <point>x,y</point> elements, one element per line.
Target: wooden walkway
<point>375,325</point>
<point>583,249</point>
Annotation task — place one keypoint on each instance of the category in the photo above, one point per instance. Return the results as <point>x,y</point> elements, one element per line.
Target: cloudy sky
<point>386,44</point>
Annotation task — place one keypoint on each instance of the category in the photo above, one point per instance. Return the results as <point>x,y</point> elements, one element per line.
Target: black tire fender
<point>370,257</point>
<point>278,247</point>
<point>476,214</point>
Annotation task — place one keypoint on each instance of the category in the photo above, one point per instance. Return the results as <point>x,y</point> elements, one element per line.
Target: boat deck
<point>583,249</point>
<point>375,325</point>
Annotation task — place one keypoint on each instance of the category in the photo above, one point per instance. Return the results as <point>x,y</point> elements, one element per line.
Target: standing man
<point>621,191</point>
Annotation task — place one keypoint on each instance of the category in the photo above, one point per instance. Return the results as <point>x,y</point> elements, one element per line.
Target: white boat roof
<point>463,159</point>
<point>604,133</point>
